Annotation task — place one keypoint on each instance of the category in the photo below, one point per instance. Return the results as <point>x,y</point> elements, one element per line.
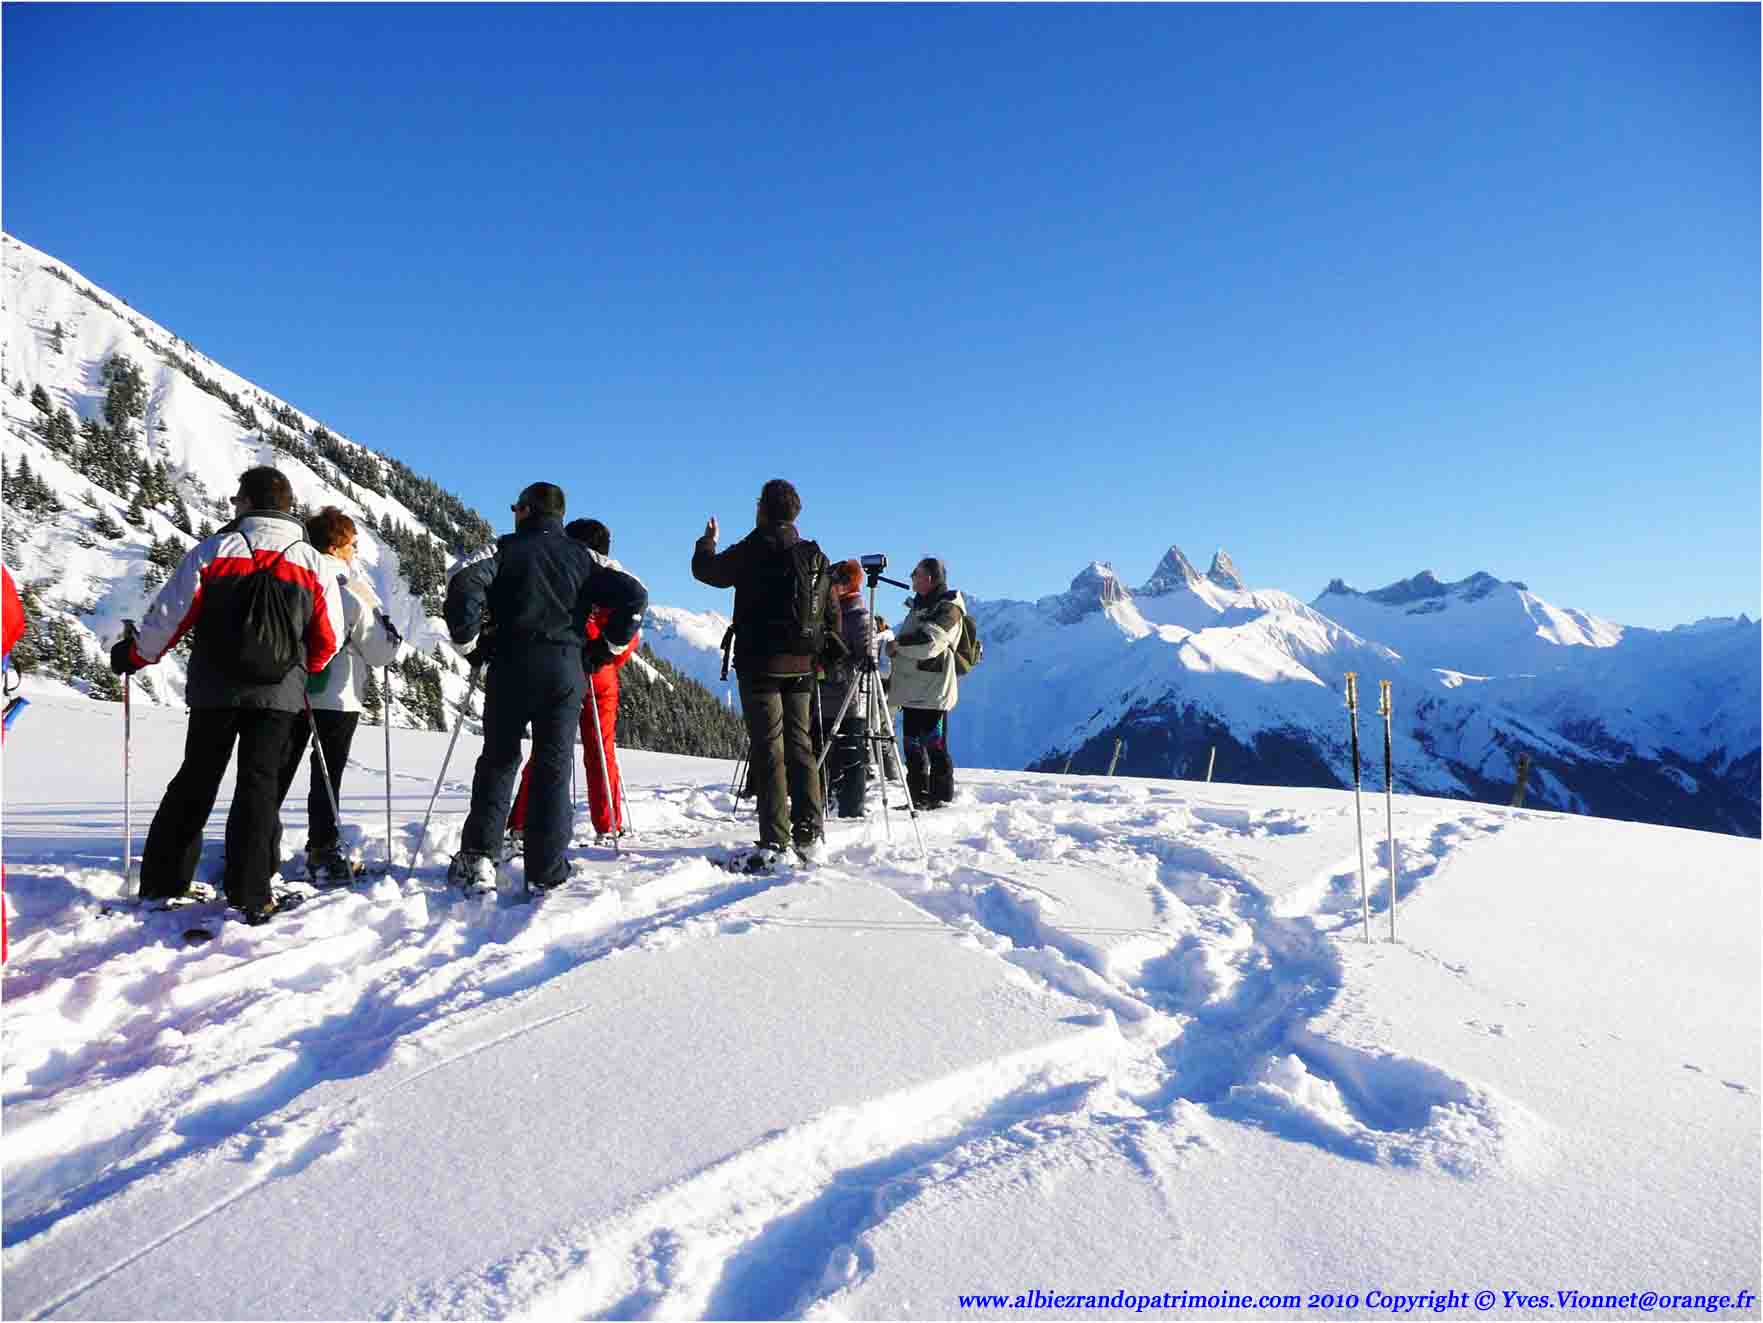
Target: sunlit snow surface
<point>1111,1035</point>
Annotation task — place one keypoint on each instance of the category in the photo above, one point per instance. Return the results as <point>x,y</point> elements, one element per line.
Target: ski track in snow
<point>1203,994</point>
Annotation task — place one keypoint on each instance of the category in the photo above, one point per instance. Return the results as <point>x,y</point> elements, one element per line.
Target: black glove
<point>485,651</point>
<point>595,654</point>
<point>122,659</point>
<point>392,634</point>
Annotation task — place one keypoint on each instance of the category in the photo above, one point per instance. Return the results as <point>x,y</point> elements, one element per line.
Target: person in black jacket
<point>526,607</point>
<point>775,656</point>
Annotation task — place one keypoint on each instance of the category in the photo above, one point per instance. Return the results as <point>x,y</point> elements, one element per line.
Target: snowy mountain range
<point>1188,668</point>
<point>1644,725</point>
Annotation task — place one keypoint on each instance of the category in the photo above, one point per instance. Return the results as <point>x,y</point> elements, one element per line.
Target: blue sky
<point>1354,291</point>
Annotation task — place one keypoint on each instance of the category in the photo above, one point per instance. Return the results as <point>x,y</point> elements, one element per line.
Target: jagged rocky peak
<point>1426,586</point>
<point>1173,571</point>
<point>1224,572</point>
<point>1096,586</point>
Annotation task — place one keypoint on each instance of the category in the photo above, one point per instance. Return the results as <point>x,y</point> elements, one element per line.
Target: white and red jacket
<point>606,678</point>
<point>211,572</point>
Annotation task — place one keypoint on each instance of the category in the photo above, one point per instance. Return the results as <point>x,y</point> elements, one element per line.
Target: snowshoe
<point>330,868</point>
<point>759,858</point>
<point>472,872</point>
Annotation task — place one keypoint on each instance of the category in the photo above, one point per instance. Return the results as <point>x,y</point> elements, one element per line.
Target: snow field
<point>1118,1034</point>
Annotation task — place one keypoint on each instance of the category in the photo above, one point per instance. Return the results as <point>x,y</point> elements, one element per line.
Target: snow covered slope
<point>692,641</point>
<point>1106,1035</point>
<point>1480,626</point>
<point>61,331</point>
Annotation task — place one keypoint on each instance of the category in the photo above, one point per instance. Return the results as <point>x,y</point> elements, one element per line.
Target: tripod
<point>878,724</point>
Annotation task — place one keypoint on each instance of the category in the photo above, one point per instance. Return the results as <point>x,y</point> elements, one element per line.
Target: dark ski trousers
<point>543,685</point>
<point>779,710</point>
<point>930,772</point>
<point>253,826</point>
<point>848,764</point>
<point>336,733</point>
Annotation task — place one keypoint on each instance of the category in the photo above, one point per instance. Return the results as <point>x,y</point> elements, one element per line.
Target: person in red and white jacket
<point>605,801</point>
<point>224,709</point>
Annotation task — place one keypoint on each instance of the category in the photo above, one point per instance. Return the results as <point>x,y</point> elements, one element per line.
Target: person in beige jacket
<point>337,692</point>
<point>923,688</point>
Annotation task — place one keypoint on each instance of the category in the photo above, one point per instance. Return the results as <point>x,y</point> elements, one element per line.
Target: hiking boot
<point>258,915</point>
<point>513,844</point>
<point>763,858</point>
<point>472,872</point>
<point>812,851</point>
<point>328,866</point>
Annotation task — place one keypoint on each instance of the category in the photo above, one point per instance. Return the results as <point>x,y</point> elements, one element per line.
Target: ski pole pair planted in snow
<point>1385,709</point>
<point>477,671</point>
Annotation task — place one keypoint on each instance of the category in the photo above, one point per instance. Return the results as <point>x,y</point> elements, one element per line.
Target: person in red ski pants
<point>605,802</point>
<point>12,627</point>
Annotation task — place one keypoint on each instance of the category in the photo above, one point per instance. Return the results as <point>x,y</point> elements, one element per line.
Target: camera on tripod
<point>873,567</point>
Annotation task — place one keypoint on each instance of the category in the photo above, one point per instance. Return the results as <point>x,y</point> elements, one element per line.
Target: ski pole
<point>386,720</point>
<point>820,768</point>
<point>734,786</point>
<point>625,800</point>
<point>1358,802</point>
<point>605,778</point>
<point>477,670</point>
<point>128,825</point>
<point>1386,709</point>
<point>324,772</point>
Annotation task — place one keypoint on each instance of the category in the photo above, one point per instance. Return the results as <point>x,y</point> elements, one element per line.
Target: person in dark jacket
<point>599,718</point>
<point>847,765</point>
<point>225,709</point>
<point>527,608</point>
<point>775,664</point>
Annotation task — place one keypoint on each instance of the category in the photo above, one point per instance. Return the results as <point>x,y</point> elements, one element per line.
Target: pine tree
<point>55,339</point>
<point>61,434</point>
<point>40,400</point>
<point>370,698</point>
<point>137,514</point>
<point>125,396</point>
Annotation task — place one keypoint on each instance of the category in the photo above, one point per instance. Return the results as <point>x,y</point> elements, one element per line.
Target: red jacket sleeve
<point>12,621</point>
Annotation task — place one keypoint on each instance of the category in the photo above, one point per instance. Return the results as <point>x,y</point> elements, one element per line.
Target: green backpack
<point>969,651</point>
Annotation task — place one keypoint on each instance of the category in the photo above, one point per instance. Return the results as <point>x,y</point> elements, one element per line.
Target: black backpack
<point>254,631</point>
<point>792,615</point>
